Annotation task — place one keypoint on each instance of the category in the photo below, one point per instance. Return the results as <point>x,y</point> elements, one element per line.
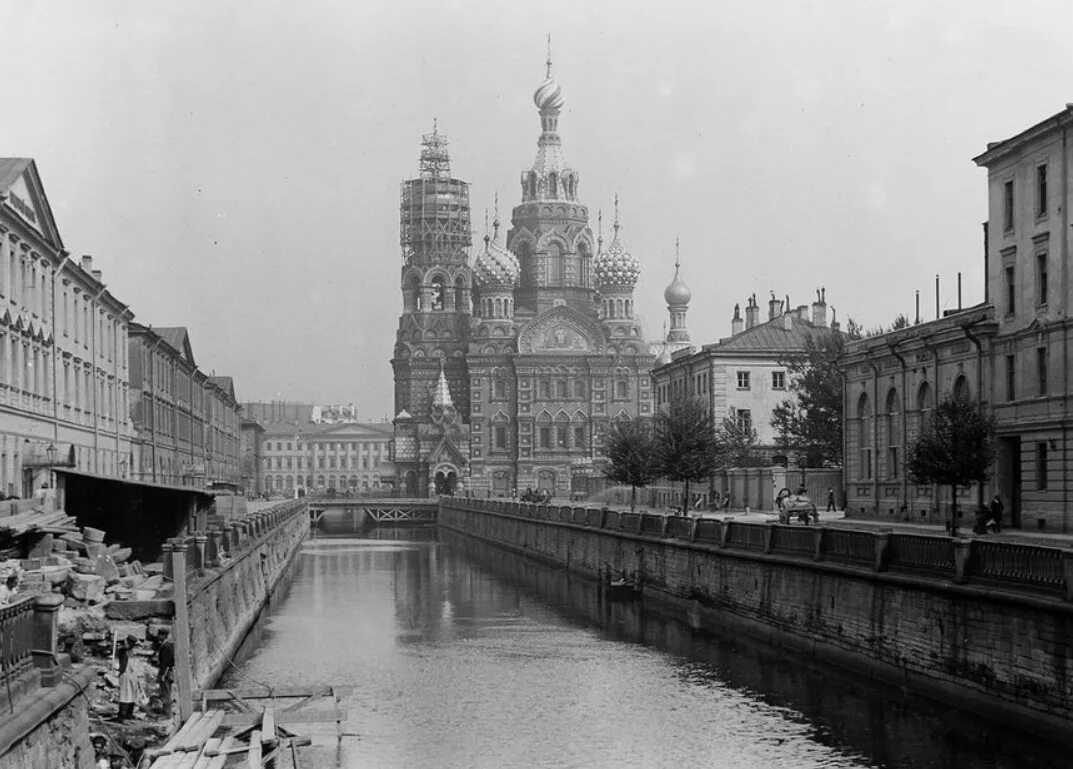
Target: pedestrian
<point>129,682</point>
<point>831,501</point>
<point>165,660</point>
<point>995,508</point>
<point>9,588</point>
<point>100,752</point>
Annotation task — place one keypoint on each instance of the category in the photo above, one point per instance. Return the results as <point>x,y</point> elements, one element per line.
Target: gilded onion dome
<point>495,267</point>
<point>549,95</point>
<point>616,267</point>
<point>677,292</point>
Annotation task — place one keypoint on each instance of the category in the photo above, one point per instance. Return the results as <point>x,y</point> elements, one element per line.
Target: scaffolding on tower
<point>434,209</point>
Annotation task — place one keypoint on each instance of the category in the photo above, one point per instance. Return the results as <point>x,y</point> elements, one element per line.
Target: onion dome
<point>496,267</point>
<point>677,292</point>
<point>664,357</point>
<point>549,95</point>
<point>616,267</point>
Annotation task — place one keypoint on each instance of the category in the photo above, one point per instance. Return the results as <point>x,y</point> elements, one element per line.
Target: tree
<point>736,443</point>
<point>955,448</point>
<point>686,447</point>
<point>811,421</point>
<point>630,450</point>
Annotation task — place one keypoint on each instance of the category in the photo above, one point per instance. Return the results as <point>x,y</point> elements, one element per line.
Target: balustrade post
<point>724,534</point>
<point>183,667</point>
<point>165,558</point>
<point>1067,569</point>
<point>693,524</point>
<point>200,541</point>
<point>229,539</point>
<point>882,544</point>
<point>45,649</point>
<point>962,559</point>
<point>817,543</point>
<point>214,547</point>
<point>769,537</point>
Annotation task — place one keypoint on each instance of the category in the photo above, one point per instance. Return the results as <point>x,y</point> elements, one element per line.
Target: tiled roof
<point>176,337</point>
<point>771,337</point>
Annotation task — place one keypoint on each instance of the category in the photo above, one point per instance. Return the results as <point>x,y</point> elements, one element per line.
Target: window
<point>545,437</point>
<point>560,388</point>
<point>1041,465</point>
<point>1011,292</point>
<point>560,437</point>
<point>1041,190</point>
<point>744,418</point>
<point>743,380</point>
<point>778,380</point>
<point>1007,205</point>
<point>500,389</point>
<point>621,389</point>
<point>579,388</point>
<point>1011,377</point>
<point>500,432</point>
<point>579,438</point>
<point>892,462</point>
<point>1041,369</point>
<point>1041,279</point>
<point>545,389</point>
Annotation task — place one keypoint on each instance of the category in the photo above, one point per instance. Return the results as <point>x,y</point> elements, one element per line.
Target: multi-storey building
<point>344,457</point>
<point>1011,354</point>
<point>743,377</point>
<point>63,354</point>
<point>505,373</point>
<point>251,442</point>
<point>187,423</point>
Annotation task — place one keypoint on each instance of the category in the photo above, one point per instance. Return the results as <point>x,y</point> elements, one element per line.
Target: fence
<point>752,487</point>
<point>1021,567</point>
<point>16,641</point>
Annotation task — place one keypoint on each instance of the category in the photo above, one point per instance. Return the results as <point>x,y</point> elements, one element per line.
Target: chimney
<point>774,307</point>
<point>788,321</point>
<point>97,276</point>
<point>802,312</point>
<point>834,319</point>
<point>736,322</point>
<point>87,263</point>
<point>752,312</point>
<point>819,308</point>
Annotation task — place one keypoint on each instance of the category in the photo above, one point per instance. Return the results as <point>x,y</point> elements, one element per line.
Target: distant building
<point>743,377</point>
<point>345,457</point>
<point>63,353</point>
<point>187,423</point>
<point>1010,354</point>
<point>250,456</point>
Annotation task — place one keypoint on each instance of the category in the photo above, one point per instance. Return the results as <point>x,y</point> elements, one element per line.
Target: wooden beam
<point>253,758</point>
<point>265,693</point>
<point>305,717</point>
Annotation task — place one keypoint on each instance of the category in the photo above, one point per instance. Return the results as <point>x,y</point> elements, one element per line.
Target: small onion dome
<point>549,95</point>
<point>616,267</point>
<point>677,292</point>
<point>664,357</point>
<point>495,267</point>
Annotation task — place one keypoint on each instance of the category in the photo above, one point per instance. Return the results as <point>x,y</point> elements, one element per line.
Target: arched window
<point>893,432</point>
<point>555,264</point>
<point>545,389</point>
<point>532,184</point>
<point>961,388</point>
<point>553,185</point>
<point>924,401</point>
<point>460,303</point>
<point>561,389</point>
<point>498,308</point>
<point>499,389</point>
<point>438,293</point>
<point>544,431</point>
<point>622,389</point>
<point>579,388</point>
<point>864,436</point>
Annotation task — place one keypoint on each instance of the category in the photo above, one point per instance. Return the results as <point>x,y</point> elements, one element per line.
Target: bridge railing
<point>1033,568</point>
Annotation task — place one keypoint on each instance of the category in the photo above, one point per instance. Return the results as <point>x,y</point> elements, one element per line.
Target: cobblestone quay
<point>984,625</point>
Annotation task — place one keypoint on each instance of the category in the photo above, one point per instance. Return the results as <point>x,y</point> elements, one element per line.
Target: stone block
<point>31,564</point>
<point>106,568</point>
<point>90,534</point>
<point>85,565</point>
<point>128,629</point>
<point>85,587</point>
<point>42,547</point>
<point>95,549</point>
<point>133,610</point>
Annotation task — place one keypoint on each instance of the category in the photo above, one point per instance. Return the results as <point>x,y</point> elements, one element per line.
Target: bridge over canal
<point>379,511</point>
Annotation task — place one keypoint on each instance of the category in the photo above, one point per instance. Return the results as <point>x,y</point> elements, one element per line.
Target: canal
<point>462,655</point>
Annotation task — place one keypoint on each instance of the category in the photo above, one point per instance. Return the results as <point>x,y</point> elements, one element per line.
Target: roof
<point>11,171</point>
<point>341,430</point>
<point>772,337</point>
<point>225,383</point>
<point>178,339</point>
<point>996,150</point>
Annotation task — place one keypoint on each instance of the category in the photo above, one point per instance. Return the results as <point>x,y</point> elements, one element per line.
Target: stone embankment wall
<point>50,728</point>
<point>224,602</point>
<point>983,625</point>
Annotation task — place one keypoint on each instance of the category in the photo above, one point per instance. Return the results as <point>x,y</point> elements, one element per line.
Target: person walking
<point>165,660</point>
<point>129,683</point>
<point>995,508</point>
<point>831,508</point>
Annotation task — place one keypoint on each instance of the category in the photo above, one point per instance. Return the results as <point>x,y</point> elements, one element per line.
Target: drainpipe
<point>926,342</point>
<point>967,329</point>
<point>96,399</point>
<point>893,346</point>
<point>1065,324</point>
<point>874,469</point>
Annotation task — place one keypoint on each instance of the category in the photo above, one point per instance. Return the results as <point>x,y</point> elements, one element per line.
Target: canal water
<point>462,655</point>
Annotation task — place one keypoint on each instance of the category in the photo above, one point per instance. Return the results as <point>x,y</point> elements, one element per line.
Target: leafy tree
<point>811,421</point>
<point>686,447</point>
<point>630,450</point>
<point>955,448</point>
<point>736,444</point>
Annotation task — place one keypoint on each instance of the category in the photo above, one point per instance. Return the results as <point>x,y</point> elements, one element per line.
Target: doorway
<point>1009,477</point>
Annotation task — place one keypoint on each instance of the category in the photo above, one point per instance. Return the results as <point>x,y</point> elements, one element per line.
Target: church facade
<point>508,365</point>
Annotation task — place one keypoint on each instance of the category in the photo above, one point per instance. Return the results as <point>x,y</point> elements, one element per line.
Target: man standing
<point>995,508</point>
<point>165,660</point>
<point>831,501</point>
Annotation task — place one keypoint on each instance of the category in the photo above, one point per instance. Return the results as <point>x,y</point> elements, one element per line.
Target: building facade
<point>1011,354</point>
<point>251,441</point>
<point>63,353</point>
<point>506,371</point>
<point>342,457</point>
<point>743,377</point>
<point>187,423</point>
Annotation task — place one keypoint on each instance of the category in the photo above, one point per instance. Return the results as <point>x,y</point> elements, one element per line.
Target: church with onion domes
<point>510,360</point>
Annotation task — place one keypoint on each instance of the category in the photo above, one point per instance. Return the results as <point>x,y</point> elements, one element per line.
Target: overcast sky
<point>234,167</point>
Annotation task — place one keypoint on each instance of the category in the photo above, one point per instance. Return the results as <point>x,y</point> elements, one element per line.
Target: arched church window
<point>460,299</point>
<point>500,388</point>
<point>961,388</point>
<point>560,389</point>
<point>532,184</point>
<point>579,388</point>
<point>622,389</point>
<point>545,389</point>
<point>864,440</point>
<point>438,293</point>
<point>555,264</point>
<point>553,185</point>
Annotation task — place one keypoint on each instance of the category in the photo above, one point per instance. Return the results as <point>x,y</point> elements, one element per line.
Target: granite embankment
<point>984,625</point>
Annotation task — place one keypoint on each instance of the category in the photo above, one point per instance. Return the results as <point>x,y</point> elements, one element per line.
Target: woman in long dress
<point>129,680</point>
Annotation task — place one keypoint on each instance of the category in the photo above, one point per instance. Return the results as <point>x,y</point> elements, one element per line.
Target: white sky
<point>235,167</point>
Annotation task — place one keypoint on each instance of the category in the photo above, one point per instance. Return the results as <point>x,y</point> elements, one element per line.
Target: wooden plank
<point>264,692</point>
<point>206,757</point>
<point>307,717</point>
<point>179,736</point>
<point>305,701</point>
<point>218,762</point>
<point>253,758</point>
<point>268,726</point>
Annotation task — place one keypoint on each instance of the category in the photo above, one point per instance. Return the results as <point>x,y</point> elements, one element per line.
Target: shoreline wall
<point>983,629</point>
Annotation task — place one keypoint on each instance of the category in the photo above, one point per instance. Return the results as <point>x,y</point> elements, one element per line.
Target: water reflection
<point>463,655</point>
